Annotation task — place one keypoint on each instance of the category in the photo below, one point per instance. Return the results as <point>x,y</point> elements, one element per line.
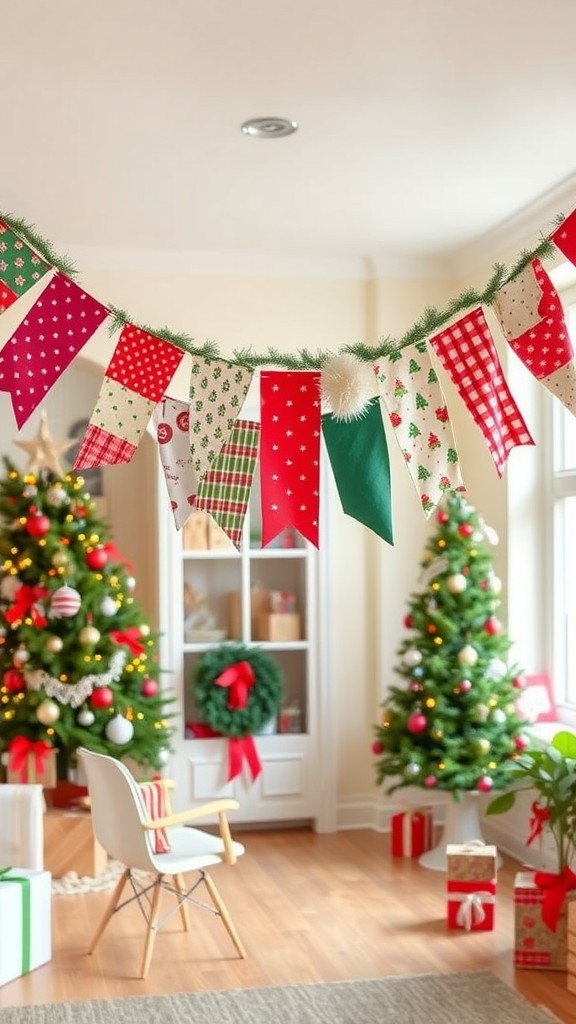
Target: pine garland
<point>431,321</point>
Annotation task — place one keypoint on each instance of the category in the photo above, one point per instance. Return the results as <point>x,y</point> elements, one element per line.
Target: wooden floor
<point>309,908</point>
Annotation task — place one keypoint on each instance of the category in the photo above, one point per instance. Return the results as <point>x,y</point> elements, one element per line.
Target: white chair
<point>124,828</point>
<point>22,809</point>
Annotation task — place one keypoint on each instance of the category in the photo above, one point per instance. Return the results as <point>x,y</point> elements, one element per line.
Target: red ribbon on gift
<point>555,888</point>
<point>239,677</point>
<point>115,556</point>
<point>130,637</point>
<point>26,600</point>
<point>540,815</point>
<point>19,750</point>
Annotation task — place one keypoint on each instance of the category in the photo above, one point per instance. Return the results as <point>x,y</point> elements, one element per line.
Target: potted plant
<point>549,771</point>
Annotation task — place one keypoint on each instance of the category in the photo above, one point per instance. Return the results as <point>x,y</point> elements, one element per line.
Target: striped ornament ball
<point>64,602</point>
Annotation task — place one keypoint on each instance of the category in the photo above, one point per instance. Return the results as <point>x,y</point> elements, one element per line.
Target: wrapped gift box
<point>412,832</point>
<point>22,826</point>
<point>33,767</point>
<point>471,885</point>
<point>70,844</point>
<point>25,921</point>
<point>535,944</point>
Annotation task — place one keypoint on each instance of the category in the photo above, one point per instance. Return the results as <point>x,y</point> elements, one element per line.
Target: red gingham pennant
<point>468,354</point>
<point>100,448</point>
<point>52,333</point>
<point>290,452</point>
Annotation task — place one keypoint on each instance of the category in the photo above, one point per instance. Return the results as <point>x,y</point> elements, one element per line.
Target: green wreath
<point>242,708</point>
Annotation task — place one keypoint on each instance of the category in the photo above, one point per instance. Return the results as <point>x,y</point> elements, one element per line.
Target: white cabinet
<point>210,593</point>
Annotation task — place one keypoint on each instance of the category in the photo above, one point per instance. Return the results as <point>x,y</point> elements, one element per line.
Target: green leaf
<point>502,803</point>
<point>565,743</point>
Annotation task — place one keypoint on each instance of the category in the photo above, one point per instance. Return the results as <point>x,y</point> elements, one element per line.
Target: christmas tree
<point>453,724</point>
<point>78,661</point>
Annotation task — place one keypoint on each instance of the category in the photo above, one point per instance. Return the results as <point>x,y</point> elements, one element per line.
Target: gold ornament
<point>44,452</point>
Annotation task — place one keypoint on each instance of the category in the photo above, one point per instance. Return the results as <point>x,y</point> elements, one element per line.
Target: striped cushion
<point>155,804</point>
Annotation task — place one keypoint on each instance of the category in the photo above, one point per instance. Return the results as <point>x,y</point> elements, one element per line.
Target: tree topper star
<point>44,452</point>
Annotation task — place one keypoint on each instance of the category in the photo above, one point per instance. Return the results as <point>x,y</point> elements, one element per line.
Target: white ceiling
<point>424,125</point>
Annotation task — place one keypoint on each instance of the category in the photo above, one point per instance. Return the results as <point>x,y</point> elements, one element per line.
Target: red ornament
<point>377,748</point>
<point>96,558</point>
<point>484,784</point>
<point>149,687</point>
<point>408,621</point>
<point>37,525</point>
<point>101,697</point>
<point>464,686</point>
<point>442,517</point>
<point>417,722</point>
<point>519,683</point>
<point>465,529</point>
<point>14,681</point>
<point>492,626</point>
<point>430,781</point>
<point>521,742</point>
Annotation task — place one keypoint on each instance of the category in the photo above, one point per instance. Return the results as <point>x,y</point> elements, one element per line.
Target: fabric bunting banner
<point>217,393</point>
<point>141,368</point>
<point>171,419</point>
<point>51,335</point>
<point>564,237</point>
<point>467,352</point>
<point>517,304</point>
<point>290,452</point>
<point>545,347</point>
<point>417,410</point>
<point>20,267</point>
<point>225,488</point>
<point>359,458</point>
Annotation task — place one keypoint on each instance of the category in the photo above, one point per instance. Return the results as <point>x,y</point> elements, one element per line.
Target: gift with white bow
<point>471,885</point>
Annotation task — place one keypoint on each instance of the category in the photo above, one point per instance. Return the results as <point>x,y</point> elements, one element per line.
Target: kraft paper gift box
<point>412,832</point>
<point>471,886</point>
<point>25,921</point>
<point>31,762</point>
<point>536,944</point>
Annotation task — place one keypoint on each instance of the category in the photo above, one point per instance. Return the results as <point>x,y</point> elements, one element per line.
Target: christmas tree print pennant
<point>171,419</point>
<point>217,393</point>
<point>467,352</point>
<point>564,237</point>
<point>225,488</point>
<point>545,348</point>
<point>51,335</point>
<point>416,408</point>
<point>359,459</point>
<point>20,267</point>
<point>141,368</point>
<point>290,452</point>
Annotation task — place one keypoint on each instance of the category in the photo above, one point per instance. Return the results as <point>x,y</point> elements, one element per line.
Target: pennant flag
<point>53,332</point>
<point>171,419</point>
<point>20,267</point>
<point>141,368</point>
<point>217,393</point>
<point>545,348</point>
<point>359,458</point>
<point>225,488</point>
<point>467,352</point>
<point>564,237</point>
<point>290,452</point>
<point>411,392</point>
<point>517,304</point>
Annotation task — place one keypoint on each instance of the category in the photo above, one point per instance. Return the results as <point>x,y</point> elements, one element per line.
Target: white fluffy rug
<point>71,884</point>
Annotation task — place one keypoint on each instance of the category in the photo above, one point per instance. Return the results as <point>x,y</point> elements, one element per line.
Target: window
<point>563,493</point>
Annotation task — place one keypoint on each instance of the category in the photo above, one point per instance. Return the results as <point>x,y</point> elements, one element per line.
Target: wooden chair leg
<point>152,924</point>
<point>110,908</point>
<point>180,885</point>
<point>221,908</point>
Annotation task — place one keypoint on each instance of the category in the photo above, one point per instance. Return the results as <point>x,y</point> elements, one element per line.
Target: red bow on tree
<point>19,748</point>
<point>130,637</point>
<point>115,556</point>
<point>239,677</point>
<point>26,600</point>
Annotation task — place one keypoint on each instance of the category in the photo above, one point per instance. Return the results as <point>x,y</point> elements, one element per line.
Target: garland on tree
<point>237,690</point>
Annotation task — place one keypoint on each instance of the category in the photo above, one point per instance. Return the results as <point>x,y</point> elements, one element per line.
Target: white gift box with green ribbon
<point>25,921</point>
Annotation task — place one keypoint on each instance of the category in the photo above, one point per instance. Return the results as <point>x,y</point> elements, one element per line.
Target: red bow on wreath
<point>26,600</point>
<point>239,677</point>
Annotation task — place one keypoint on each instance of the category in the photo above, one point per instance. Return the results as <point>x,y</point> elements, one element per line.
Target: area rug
<point>466,998</point>
<point>71,883</point>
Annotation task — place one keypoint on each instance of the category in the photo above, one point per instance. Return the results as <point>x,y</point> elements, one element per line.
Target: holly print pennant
<point>546,349</point>
<point>415,406</point>
<point>467,352</point>
<point>225,488</point>
<point>20,267</point>
<point>51,335</point>
<point>217,393</point>
<point>290,452</point>
<point>564,237</point>
<point>360,463</point>
<point>171,419</point>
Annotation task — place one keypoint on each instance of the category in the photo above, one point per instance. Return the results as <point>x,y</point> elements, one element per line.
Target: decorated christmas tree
<point>78,661</point>
<point>452,724</point>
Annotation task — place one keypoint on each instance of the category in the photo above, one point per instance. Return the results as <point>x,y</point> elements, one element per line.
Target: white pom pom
<point>348,384</point>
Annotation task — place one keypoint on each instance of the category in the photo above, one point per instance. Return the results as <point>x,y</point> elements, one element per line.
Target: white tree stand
<point>462,826</point>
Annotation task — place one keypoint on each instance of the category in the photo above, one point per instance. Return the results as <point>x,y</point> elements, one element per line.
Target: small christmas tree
<point>453,725</point>
<point>78,662</point>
